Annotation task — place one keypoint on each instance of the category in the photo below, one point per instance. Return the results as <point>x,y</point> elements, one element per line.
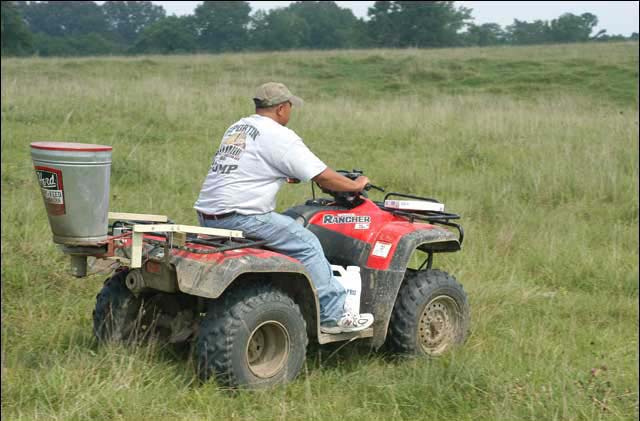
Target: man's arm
<point>331,180</point>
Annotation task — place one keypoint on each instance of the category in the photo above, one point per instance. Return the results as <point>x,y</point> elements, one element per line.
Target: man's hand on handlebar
<point>332,181</point>
<point>362,183</point>
<point>348,188</point>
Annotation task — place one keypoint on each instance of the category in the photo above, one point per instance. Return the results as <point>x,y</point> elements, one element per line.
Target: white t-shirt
<point>255,157</point>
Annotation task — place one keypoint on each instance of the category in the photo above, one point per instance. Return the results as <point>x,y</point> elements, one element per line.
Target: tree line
<point>81,28</point>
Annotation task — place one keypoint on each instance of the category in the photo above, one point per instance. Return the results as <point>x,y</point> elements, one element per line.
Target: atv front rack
<point>432,217</point>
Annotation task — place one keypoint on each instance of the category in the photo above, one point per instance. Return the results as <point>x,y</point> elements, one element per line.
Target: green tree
<point>572,28</point>
<point>485,34</point>
<point>279,29</point>
<point>48,46</point>
<point>330,26</point>
<point>384,23</point>
<point>522,32</point>
<point>223,25</point>
<point>416,23</point>
<point>614,37</point>
<point>60,18</point>
<point>307,24</point>
<point>69,28</point>
<point>129,18</point>
<point>170,35</point>
<point>79,45</point>
<point>16,38</point>
<point>94,44</point>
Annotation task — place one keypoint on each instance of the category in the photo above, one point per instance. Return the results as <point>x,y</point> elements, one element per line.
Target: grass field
<point>536,148</point>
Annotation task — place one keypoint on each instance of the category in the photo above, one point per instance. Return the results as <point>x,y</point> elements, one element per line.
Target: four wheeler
<point>251,311</point>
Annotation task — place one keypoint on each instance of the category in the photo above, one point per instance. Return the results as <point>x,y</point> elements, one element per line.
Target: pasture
<point>535,147</point>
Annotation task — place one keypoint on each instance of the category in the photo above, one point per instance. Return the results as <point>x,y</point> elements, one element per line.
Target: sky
<point>617,17</point>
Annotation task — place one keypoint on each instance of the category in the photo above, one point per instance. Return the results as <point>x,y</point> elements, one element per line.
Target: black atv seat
<point>303,213</point>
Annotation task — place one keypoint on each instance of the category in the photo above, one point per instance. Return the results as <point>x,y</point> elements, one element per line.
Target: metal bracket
<point>325,338</point>
<point>140,229</point>
<point>137,217</point>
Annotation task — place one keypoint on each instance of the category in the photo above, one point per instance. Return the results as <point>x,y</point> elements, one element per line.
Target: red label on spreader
<point>52,189</point>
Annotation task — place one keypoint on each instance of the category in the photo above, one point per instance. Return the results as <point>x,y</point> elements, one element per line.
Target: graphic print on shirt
<point>232,146</point>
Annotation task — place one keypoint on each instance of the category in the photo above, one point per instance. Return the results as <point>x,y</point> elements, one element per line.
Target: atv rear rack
<point>178,236</point>
<point>433,217</point>
<point>175,235</point>
<point>219,244</point>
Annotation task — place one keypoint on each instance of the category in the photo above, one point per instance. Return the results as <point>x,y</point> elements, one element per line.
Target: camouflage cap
<point>274,93</point>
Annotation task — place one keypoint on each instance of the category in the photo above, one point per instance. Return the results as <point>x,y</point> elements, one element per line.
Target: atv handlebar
<point>354,174</point>
<point>351,199</point>
<point>370,186</point>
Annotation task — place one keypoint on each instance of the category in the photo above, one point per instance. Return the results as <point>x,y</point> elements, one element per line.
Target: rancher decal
<point>360,221</point>
<point>50,180</point>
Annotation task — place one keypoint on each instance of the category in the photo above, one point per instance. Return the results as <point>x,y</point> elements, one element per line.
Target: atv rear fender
<point>210,278</point>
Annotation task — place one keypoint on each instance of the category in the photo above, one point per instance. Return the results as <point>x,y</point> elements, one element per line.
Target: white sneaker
<point>349,322</point>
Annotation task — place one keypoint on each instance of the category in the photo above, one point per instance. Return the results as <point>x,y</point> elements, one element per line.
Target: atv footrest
<point>325,338</point>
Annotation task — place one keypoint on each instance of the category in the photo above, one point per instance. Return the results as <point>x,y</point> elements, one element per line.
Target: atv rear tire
<point>116,311</point>
<point>251,337</point>
<point>431,314</point>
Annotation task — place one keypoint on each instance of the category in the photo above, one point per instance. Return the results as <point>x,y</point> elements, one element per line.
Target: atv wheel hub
<point>268,349</point>
<point>438,325</point>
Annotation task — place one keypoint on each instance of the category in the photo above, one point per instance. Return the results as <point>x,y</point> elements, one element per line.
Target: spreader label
<point>50,180</point>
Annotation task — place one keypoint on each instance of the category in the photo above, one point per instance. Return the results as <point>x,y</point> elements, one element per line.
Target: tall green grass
<point>536,148</point>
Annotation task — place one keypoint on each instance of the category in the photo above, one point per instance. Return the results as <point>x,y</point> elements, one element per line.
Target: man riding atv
<point>257,154</point>
<point>249,311</point>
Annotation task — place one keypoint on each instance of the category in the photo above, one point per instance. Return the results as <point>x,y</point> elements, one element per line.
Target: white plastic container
<point>418,205</point>
<point>349,277</point>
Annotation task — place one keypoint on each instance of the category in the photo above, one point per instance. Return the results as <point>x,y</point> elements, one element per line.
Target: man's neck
<point>269,115</point>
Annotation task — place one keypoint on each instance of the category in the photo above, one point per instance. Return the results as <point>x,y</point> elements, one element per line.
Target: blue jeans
<point>288,237</point>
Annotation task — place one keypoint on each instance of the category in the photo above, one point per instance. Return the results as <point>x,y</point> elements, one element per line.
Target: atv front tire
<point>116,311</point>
<point>251,337</point>
<point>431,314</point>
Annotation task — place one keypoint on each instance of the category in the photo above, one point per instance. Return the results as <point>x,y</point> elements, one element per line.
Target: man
<point>257,154</point>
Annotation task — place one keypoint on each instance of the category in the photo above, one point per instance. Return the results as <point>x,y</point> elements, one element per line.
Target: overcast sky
<point>617,17</point>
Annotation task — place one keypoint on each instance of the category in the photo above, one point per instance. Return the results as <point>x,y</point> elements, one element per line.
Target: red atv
<point>251,311</point>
